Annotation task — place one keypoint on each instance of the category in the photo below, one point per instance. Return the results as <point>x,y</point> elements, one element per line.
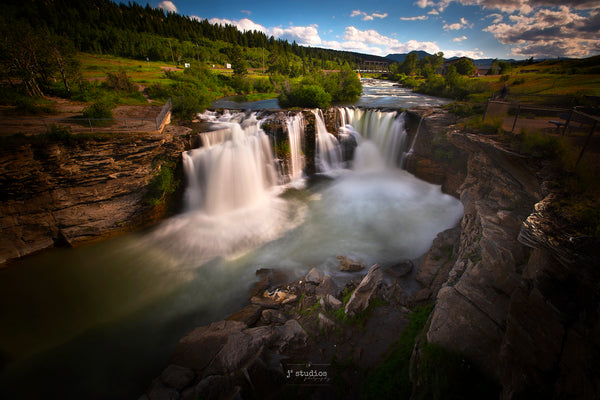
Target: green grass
<point>391,380</point>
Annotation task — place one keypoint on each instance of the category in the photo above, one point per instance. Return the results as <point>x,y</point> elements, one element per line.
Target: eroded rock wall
<point>70,192</point>
<point>521,296</point>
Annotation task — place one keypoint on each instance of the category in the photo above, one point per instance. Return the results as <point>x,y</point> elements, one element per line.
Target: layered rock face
<point>70,192</point>
<point>513,292</point>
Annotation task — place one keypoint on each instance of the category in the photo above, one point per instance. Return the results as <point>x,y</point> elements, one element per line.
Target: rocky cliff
<point>515,293</point>
<point>70,190</point>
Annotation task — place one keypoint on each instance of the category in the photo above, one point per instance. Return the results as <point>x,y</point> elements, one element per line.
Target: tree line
<point>133,31</point>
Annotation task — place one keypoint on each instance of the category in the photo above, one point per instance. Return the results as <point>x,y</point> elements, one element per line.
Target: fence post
<point>91,129</point>
<point>516,118</point>
<point>487,103</point>
<point>587,141</point>
<point>568,120</point>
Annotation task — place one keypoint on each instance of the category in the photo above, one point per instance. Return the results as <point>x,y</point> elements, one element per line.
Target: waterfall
<point>295,127</point>
<point>407,154</point>
<point>381,138</point>
<point>328,156</point>
<point>233,169</point>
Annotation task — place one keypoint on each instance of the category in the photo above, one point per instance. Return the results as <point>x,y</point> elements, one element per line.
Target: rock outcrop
<point>64,193</point>
<point>514,292</point>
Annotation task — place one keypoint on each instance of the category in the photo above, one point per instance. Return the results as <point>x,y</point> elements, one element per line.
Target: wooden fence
<point>563,121</point>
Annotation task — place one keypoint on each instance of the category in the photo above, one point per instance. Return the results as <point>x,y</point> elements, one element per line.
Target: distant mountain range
<point>400,57</point>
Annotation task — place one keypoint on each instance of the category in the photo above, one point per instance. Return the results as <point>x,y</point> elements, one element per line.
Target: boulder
<point>349,265</point>
<point>158,391</point>
<point>273,317</point>
<point>359,301</point>
<point>326,287</point>
<point>240,350</point>
<point>249,315</point>
<point>314,276</point>
<point>325,322</point>
<point>290,335</point>
<point>330,303</point>
<point>217,387</point>
<point>177,377</point>
<point>198,348</point>
<point>401,269</point>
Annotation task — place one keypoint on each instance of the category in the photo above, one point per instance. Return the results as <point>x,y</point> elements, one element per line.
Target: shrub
<point>163,184</point>
<point>120,81</point>
<point>98,110</point>
<point>311,96</point>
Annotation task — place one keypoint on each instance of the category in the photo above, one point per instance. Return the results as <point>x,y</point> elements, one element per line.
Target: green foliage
<point>311,96</point>
<point>162,184</point>
<point>447,375</point>
<point>120,81</point>
<point>542,145</point>
<point>491,126</point>
<point>465,66</point>
<point>57,133</point>
<point>391,379</point>
<point>98,110</point>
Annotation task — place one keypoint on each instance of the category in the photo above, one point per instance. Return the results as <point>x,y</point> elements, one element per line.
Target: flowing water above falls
<point>100,321</point>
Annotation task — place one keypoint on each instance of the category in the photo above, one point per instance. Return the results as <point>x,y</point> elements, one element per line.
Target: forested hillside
<point>130,30</point>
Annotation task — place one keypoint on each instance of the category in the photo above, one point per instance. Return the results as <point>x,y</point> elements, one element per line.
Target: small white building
<point>228,66</point>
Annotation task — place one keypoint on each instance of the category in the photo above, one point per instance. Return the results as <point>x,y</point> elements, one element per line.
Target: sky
<point>504,29</point>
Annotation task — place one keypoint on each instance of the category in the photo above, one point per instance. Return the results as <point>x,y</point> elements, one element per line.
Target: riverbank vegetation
<point>75,51</point>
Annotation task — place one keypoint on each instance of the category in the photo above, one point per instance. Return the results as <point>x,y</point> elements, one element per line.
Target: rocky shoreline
<point>288,329</point>
<point>505,298</point>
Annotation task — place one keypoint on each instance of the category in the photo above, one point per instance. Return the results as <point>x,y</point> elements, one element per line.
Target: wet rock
<point>401,269</point>
<point>249,315</point>
<point>240,350</point>
<point>158,391</point>
<point>359,301</point>
<point>273,317</point>
<point>349,265</point>
<point>198,348</point>
<point>325,322</point>
<point>68,194</point>
<point>326,287</point>
<point>217,387</point>
<point>422,295</point>
<point>264,302</point>
<point>177,377</point>
<point>331,303</point>
<point>314,276</point>
<point>290,335</point>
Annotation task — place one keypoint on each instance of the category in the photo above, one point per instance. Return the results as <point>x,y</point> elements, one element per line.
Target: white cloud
<point>247,12</point>
<point>463,24</point>
<point>305,35</point>
<point>168,6</point>
<point>243,24</point>
<point>549,33</point>
<point>464,53</point>
<point>417,18</point>
<point>497,17</point>
<point>459,39</point>
<point>368,17</point>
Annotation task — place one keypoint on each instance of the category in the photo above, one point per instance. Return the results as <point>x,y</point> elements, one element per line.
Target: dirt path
<point>126,119</point>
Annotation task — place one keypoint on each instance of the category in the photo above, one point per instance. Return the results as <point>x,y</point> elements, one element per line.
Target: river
<point>377,93</point>
<point>100,321</point>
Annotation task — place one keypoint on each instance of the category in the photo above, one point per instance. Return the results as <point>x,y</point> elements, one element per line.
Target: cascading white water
<point>376,130</point>
<point>295,127</point>
<point>328,156</point>
<point>233,169</point>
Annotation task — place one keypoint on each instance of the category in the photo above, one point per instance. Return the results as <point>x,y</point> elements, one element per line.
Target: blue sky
<point>475,28</point>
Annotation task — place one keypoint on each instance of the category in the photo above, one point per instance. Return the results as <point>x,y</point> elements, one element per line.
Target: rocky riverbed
<point>513,294</point>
